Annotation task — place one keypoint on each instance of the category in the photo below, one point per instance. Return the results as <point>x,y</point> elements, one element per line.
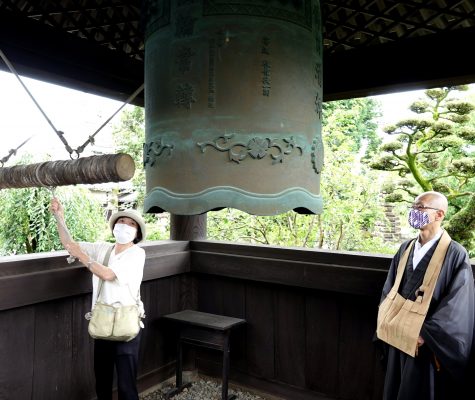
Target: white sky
<point>395,106</point>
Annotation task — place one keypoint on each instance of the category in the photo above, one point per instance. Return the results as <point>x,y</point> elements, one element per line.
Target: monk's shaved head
<point>433,199</point>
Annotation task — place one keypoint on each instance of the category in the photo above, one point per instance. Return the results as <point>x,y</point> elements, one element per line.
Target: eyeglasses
<point>422,208</point>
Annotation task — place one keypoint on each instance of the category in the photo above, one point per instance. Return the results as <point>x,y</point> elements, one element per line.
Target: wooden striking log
<point>87,170</point>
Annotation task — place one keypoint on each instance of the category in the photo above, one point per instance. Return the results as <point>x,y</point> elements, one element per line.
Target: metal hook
<point>52,189</point>
<point>74,155</point>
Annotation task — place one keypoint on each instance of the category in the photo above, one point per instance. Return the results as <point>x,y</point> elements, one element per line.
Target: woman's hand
<point>64,235</point>
<point>75,250</point>
<point>56,207</point>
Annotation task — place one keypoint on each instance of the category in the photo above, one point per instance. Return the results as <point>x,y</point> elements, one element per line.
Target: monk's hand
<point>420,341</point>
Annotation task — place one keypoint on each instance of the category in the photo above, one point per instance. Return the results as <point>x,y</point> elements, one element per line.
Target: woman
<point>122,278</point>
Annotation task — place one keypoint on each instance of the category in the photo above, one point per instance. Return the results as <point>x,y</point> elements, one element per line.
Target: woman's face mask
<point>124,233</point>
<point>418,219</point>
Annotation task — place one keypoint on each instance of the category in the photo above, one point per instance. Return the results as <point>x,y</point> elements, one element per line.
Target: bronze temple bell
<point>233,106</point>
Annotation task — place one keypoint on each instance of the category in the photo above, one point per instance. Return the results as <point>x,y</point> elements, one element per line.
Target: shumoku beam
<point>86,170</point>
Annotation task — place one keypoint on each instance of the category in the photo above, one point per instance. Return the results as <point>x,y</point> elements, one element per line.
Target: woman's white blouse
<point>128,269</point>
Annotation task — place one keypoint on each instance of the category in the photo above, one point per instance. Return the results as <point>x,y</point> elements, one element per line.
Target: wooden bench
<point>204,330</point>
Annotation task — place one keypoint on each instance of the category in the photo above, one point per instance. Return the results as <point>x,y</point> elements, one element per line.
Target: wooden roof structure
<point>370,46</point>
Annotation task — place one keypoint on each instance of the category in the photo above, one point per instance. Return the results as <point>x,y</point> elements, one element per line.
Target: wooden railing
<point>310,319</point>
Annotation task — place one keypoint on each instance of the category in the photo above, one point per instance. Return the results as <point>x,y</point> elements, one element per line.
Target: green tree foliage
<point>435,151</point>
<point>129,137</point>
<point>351,207</point>
<point>355,119</point>
<point>27,225</point>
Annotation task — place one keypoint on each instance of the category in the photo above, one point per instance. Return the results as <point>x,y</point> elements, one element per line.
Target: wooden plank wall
<point>45,351</point>
<point>310,318</point>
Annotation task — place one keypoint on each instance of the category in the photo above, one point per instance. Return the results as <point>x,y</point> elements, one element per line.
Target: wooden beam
<point>343,272</point>
<point>188,227</point>
<point>52,55</point>
<point>418,63</point>
<point>312,275</point>
<point>42,52</point>
<point>34,278</point>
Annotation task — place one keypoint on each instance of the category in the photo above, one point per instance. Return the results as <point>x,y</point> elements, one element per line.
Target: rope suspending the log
<point>14,72</point>
<point>12,152</point>
<point>81,148</point>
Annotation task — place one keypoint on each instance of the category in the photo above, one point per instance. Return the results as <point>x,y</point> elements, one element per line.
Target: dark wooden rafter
<point>41,52</point>
<point>63,40</point>
<point>402,19</point>
<point>115,28</point>
<point>334,20</point>
<point>398,66</point>
<point>113,24</point>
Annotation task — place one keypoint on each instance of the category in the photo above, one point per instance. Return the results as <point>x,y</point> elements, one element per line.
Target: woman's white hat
<point>133,214</point>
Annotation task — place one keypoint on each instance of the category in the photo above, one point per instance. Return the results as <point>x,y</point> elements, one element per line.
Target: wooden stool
<point>204,330</point>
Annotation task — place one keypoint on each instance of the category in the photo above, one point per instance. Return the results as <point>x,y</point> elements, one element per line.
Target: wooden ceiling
<point>370,46</point>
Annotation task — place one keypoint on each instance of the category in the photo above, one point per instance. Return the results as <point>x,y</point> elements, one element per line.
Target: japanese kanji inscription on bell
<point>233,106</point>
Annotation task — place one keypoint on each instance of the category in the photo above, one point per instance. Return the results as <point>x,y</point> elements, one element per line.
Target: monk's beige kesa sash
<point>400,320</point>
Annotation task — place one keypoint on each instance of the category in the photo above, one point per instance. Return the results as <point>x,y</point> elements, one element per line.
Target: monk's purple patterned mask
<point>417,219</point>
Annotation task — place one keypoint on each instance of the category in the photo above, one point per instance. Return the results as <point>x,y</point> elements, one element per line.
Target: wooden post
<point>188,227</point>
<point>86,170</point>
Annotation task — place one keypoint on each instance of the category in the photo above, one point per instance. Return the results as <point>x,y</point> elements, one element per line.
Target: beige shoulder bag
<point>109,322</point>
<point>400,320</point>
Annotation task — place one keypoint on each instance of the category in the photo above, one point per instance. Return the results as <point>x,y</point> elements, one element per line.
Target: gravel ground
<point>200,390</point>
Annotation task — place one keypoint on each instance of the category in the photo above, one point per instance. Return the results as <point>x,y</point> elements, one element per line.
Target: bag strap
<point>437,258</point>
<point>105,262</point>
<point>402,266</point>
<point>426,290</point>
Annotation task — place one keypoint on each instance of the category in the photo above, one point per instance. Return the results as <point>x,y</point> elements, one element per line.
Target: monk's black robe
<point>439,370</point>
